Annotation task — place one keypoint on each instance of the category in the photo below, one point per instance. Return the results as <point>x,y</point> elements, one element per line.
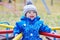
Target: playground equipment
<point>11,27</point>
<point>46,7</point>
<point>56,28</point>
<point>6,28</point>
<point>6,31</point>
<point>51,2</point>
<point>20,35</point>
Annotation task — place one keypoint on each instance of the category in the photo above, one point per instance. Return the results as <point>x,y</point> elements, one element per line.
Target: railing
<point>20,35</point>
<point>6,28</point>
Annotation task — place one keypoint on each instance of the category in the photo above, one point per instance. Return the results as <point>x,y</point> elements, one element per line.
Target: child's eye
<point>34,11</point>
<point>29,12</point>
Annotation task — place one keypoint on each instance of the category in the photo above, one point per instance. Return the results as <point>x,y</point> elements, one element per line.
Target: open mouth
<point>31,16</point>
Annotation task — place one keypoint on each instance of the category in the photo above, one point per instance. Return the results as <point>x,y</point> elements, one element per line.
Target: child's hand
<point>50,38</point>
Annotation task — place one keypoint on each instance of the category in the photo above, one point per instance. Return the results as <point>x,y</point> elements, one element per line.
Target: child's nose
<point>32,12</point>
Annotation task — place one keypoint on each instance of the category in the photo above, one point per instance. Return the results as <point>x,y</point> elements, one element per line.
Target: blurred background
<point>48,10</point>
<point>12,11</point>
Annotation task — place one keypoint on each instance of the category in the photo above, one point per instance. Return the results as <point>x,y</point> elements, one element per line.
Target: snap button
<point>31,34</point>
<point>24,24</point>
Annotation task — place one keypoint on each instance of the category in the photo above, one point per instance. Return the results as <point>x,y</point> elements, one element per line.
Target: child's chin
<point>32,18</point>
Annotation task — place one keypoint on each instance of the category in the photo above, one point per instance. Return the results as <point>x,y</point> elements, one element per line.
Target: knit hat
<point>29,6</point>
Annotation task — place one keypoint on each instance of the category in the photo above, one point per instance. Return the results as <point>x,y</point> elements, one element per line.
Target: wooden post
<point>10,1</point>
<point>51,2</point>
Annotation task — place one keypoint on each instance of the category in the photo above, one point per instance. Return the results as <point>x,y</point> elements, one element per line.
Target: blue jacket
<point>31,28</point>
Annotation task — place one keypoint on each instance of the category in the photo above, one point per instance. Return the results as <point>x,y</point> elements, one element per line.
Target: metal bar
<point>46,7</point>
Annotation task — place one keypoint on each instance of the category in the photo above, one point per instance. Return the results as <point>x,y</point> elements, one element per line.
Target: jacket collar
<point>29,20</point>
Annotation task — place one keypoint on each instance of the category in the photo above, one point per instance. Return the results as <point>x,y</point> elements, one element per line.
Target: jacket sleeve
<point>17,29</point>
<point>44,28</point>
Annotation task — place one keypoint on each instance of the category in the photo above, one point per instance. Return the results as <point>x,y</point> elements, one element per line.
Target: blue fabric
<point>30,28</point>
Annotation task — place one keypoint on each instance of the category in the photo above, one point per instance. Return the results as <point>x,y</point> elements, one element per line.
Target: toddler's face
<point>31,14</point>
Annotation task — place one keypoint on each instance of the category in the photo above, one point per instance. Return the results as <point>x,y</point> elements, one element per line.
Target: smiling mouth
<point>31,16</point>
